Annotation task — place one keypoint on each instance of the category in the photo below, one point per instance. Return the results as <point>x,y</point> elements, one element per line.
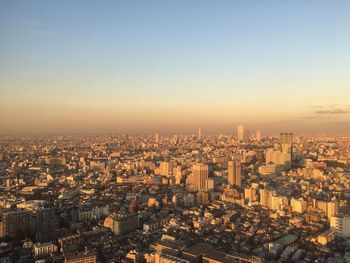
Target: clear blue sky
<point>128,66</point>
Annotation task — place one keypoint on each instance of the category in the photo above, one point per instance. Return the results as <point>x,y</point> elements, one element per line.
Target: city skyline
<point>171,67</point>
<point>174,131</point>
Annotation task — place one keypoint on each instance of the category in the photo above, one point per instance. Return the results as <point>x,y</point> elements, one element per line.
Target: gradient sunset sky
<point>174,66</point>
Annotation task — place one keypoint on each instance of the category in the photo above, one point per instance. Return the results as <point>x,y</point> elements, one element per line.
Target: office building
<point>241,133</point>
<point>234,173</point>
<point>200,176</point>
<point>266,197</point>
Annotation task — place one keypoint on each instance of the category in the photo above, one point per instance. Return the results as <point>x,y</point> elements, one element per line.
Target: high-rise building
<point>341,225</point>
<point>203,197</point>
<point>258,135</point>
<point>15,223</point>
<point>240,133</point>
<point>298,205</point>
<point>234,172</point>
<point>278,202</point>
<point>26,223</point>
<point>286,138</point>
<point>166,168</point>
<point>178,174</point>
<point>200,175</point>
<point>210,184</point>
<point>329,208</point>
<point>279,158</point>
<point>266,197</point>
<point>157,138</point>
<point>332,208</point>
<point>199,133</point>
<point>250,193</point>
<point>246,134</point>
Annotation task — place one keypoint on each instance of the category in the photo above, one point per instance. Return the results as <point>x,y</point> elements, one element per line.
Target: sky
<point>171,66</point>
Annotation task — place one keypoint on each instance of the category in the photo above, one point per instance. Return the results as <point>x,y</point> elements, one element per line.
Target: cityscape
<point>178,198</point>
<point>174,131</point>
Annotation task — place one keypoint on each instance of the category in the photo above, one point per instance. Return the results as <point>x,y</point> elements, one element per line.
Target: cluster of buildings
<point>175,198</point>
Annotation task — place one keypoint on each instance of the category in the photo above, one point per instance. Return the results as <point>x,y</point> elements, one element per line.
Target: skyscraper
<point>200,175</point>
<point>234,172</point>
<point>240,132</point>
<point>199,133</point>
<point>258,135</point>
<point>286,138</point>
<point>287,145</point>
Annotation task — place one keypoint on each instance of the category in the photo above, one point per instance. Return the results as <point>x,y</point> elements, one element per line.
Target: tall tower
<point>258,135</point>
<point>240,132</point>
<point>200,175</point>
<point>234,173</point>
<point>286,139</point>
<point>157,138</point>
<point>199,133</point>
